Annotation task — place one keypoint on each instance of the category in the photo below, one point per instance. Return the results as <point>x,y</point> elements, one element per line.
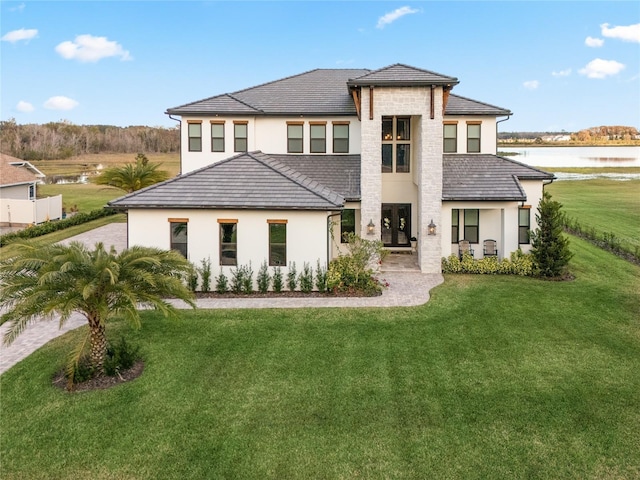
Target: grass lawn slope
<point>496,377</point>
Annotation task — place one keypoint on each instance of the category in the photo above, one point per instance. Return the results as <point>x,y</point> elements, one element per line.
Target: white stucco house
<point>278,172</point>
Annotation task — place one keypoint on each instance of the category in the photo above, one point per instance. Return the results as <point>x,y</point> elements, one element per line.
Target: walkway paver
<point>405,289</point>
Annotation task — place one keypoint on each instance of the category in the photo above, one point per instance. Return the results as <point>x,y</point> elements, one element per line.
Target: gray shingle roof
<point>247,181</point>
<point>341,173</point>
<point>458,105</point>
<point>317,92</point>
<point>482,177</point>
<point>402,75</point>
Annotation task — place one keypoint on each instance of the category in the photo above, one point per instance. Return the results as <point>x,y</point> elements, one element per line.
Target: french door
<point>396,224</point>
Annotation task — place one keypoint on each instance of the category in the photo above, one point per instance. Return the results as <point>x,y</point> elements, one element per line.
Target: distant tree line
<point>602,134</point>
<point>58,140</point>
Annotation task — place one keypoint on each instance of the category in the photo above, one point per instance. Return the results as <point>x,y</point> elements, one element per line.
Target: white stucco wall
<point>488,132</point>
<point>267,134</point>
<point>307,236</point>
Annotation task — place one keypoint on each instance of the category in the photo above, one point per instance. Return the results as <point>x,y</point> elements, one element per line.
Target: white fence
<point>26,212</point>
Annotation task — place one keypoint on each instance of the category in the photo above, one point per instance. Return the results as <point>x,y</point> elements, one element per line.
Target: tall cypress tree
<point>550,247</point>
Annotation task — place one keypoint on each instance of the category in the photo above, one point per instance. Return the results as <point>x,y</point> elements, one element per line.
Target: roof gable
<point>14,171</point>
<point>247,181</point>
<point>402,75</point>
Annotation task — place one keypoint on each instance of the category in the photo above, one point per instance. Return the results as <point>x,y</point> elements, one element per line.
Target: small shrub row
<point>55,225</point>
<point>518,264</point>
<point>121,356</point>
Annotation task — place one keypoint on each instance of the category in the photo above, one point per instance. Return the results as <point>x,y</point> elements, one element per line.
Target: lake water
<point>579,157</point>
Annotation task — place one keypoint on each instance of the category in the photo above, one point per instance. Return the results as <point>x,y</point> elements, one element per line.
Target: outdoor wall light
<point>431,228</point>
<point>371,227</point>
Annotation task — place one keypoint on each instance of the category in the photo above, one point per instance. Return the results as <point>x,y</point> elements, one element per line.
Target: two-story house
<point>280,171</point>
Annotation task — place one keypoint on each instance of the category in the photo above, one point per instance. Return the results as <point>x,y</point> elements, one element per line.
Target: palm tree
<point>40,282</point>
<point>133,176</point>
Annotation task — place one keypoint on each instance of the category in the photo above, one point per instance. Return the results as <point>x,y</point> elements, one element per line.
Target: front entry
<point>396,224</point>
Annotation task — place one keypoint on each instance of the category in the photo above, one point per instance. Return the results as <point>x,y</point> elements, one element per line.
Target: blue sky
<point>562,65</point>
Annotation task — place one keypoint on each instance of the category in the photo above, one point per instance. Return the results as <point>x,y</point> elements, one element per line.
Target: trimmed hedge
<point>519,264</point>
<point>55,225</point>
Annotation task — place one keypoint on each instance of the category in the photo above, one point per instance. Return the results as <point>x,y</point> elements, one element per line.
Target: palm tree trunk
<point>98,346</point>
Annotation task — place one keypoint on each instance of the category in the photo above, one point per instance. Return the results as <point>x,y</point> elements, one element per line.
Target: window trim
<point>478,138</point>
<point>221,123</point>
<point>396,142</point>
<point>236,138</point>
<point>526,227</point>
<point>277,222</point>
<point>334,138</point>
<point>227,221</point>
<point>189,137</point>
<point>291,139</point>
<point>323,138</point>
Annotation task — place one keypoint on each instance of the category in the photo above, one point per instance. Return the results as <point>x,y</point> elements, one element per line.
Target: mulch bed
<point>101,383</point>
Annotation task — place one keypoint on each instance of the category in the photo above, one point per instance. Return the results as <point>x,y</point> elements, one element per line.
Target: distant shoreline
<point>564,144</point>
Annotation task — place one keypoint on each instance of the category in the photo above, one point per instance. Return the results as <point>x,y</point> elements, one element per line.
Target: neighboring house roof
<point>458,105</point>
<point>316,92</point>
<point>480,177</point>
<point>14,171</point>
<point>341,173</point>
<point>400,75</point>
<point>247,181</point>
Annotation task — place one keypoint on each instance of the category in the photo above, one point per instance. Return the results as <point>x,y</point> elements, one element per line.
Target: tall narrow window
<point>473,138</point>
<point>277,242</point>
<point>471,225</point>
<point>347,223</point>
<point>396,144</point>
<point>228,242</point>
<point>294,137</point>
<point>179,236</point>
<point>217,136</point>
<point>455,225</point>
<point>240,137</point>
<point>450,138</point>
<point>524,225</point>
<point>195,136</point>
<point>340,138</point>
<point>318,138</point>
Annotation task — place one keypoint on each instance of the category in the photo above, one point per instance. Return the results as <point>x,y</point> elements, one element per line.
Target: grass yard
<point>496,377</point>
<point>83,196</point>
<point>607,205</point>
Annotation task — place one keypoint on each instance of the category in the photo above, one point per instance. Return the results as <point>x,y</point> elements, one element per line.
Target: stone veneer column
<point>427,158</point>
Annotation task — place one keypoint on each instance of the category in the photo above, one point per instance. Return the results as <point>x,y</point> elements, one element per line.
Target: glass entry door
<point>396,224</point>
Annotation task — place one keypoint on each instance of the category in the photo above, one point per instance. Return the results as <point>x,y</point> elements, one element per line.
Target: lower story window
<point>179,236</point>
<point>228,242</point>
<point>277,243</point>
<point>455,225</point>
<point>471,225</point>
<point>347,223</point>
<point>524,225</point>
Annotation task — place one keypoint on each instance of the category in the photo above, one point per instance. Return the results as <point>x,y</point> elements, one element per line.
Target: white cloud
<point>630,33</point>
<point>391,17</point>
<point>599,68</point>
<point>60,103</point>
<point>22,34</point>
<point>531,84</point>
<point>593,42</point>
<point>19,8</point>
<point>25,107</point>
<point>87,48</point>
<point>562,73</point>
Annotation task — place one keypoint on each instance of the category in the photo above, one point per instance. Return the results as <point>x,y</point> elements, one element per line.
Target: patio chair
<point>490,248</point>
<point>464,247</point>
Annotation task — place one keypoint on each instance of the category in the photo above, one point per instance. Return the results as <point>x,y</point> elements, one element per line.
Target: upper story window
<point>318,134</point>
<point>178,232</point>
<point>217,136</point>
<point>228,241</point>
<point>340,137</point>
<point>195,136</point>
<point>240,136</point>
<point>473,137</point>
<point>294,137</point>
<point>396,144</point>
<point>450,138</point>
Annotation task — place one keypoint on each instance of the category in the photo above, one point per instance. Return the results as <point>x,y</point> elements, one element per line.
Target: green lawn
<point>83,196</point>
<point>609,206</point>
<point>496,377</point>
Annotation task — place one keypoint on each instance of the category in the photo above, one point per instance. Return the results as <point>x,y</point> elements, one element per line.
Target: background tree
<point>550,247</point>
<point>41,282</point>
<point>133,176</point>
